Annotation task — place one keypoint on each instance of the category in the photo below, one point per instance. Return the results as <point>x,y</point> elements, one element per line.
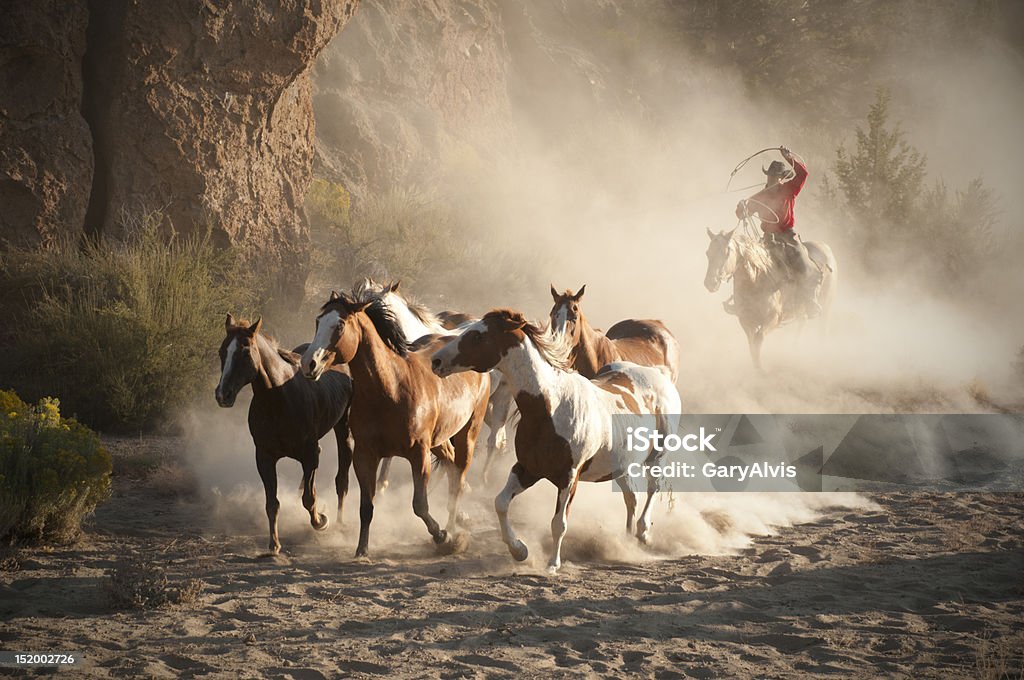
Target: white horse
<point>419,323</point>
<point>565,433</point>
<point>763,296</point>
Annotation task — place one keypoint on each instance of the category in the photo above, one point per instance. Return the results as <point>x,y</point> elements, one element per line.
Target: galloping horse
<point>565,434</point>
<point>288,414</point>
<point>761,292</point>
<point>420,325</point>
<point>642,341</point>
<point>399,407</point>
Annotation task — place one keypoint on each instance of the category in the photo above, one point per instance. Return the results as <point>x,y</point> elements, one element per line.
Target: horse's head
<point>482,345</point>
<point>336,338</point>
<point>566,313</point>
<point>239,359</point>
<point>722,258</point>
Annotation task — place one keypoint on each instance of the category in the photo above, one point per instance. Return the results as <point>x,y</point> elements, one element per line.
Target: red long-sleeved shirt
<point>781,198</point>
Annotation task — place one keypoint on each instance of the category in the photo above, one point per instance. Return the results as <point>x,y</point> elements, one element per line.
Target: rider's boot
<point>812,308</point>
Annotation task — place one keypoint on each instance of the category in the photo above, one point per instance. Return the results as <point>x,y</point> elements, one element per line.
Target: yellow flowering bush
<point>53,471</point>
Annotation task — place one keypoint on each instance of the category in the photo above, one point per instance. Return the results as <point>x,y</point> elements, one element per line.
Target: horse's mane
<point>390,332</point>
<point>754,254</point>
<point>555,348</point>
<point>369,290</point>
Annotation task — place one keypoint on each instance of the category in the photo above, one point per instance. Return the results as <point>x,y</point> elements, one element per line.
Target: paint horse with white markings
<point>566,432</point>
<point>399,407</point>
<point>288,414</point>
<point>420,325</point>
<point>646,342</point>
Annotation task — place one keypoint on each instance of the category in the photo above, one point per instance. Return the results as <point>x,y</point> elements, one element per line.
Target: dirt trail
<point>926,585</point>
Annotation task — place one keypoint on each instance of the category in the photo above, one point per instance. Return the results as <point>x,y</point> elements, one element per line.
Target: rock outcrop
<point>206,115</point>
<point>45,145</point>
<point>201,110</point>
<point>414,87</point>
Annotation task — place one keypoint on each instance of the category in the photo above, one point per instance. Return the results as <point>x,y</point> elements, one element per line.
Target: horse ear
<point>354,307</point>
<point>334,296</point>
<point>554,293</point>
<point>255,328</point>
<point>229,322</point>
<point>728,234</point>
<point>395,285</point>
<point>579,293</point>
<point>711,234</point>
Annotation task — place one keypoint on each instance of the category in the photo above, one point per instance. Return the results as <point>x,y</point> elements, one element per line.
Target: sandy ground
<point>898,585</point>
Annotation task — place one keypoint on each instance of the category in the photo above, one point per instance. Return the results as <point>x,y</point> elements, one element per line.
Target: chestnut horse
<point>399,407</point>
<point>646,342</point>
<point>565,434</point>
<point>288,414</point>
<point>420,325</point>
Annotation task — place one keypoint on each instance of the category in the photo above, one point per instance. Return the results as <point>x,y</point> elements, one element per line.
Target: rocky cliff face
<point>199,109</point>
<point>45,146</point>
<point>412,84</point>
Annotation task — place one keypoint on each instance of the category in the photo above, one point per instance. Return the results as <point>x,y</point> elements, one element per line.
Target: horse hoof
<point>456,543</point>
<point>322,522</point>
<point>519,551</point>
<point>644,538</point>
<point>361,552</point>
<point>462,519</point>
<point>441,537</point>
<point>553,568</point>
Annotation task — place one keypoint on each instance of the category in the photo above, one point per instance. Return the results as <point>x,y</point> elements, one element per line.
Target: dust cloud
<point>620,202</point>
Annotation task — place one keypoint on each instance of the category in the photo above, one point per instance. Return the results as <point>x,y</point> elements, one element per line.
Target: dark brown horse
<point>288,415</point>
<point>646,342</point>
<point>399,407</point>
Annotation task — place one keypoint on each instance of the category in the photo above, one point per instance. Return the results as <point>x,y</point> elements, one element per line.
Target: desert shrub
<point>411,234</point>
<point>137,584</point>
<point>53,471</point>
<point>121,331</point>
<point>882,184</point>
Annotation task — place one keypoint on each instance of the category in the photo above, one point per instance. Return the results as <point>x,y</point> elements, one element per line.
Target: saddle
<point>781,253</point>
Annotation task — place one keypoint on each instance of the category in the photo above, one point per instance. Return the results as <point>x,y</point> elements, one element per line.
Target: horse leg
<point>560,523</point>
<point>382,477</point>
<point>341,433</point>
<point>643,527</point>
<point>463,444</point>
<point>519,480</point>
<point>755,339</point>
<point>499,412</point>
<point>309,465</point>
<point>420,463</point>
<point>366,475</point>
<point>629,496</point>
<point>267,468</point>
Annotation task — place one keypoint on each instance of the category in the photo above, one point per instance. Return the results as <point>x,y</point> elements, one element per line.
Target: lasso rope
<point>739,166</point>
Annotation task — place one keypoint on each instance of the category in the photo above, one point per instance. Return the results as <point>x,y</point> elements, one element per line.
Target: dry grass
<point>1000,658</point>
<point>137,584</point>
<point>968,536</point>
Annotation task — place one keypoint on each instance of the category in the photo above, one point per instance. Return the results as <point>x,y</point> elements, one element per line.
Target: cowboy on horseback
<point>774,206</point>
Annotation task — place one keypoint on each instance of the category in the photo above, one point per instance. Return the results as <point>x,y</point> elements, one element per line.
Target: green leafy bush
<point>53,471</point>
<point>123,332</point>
